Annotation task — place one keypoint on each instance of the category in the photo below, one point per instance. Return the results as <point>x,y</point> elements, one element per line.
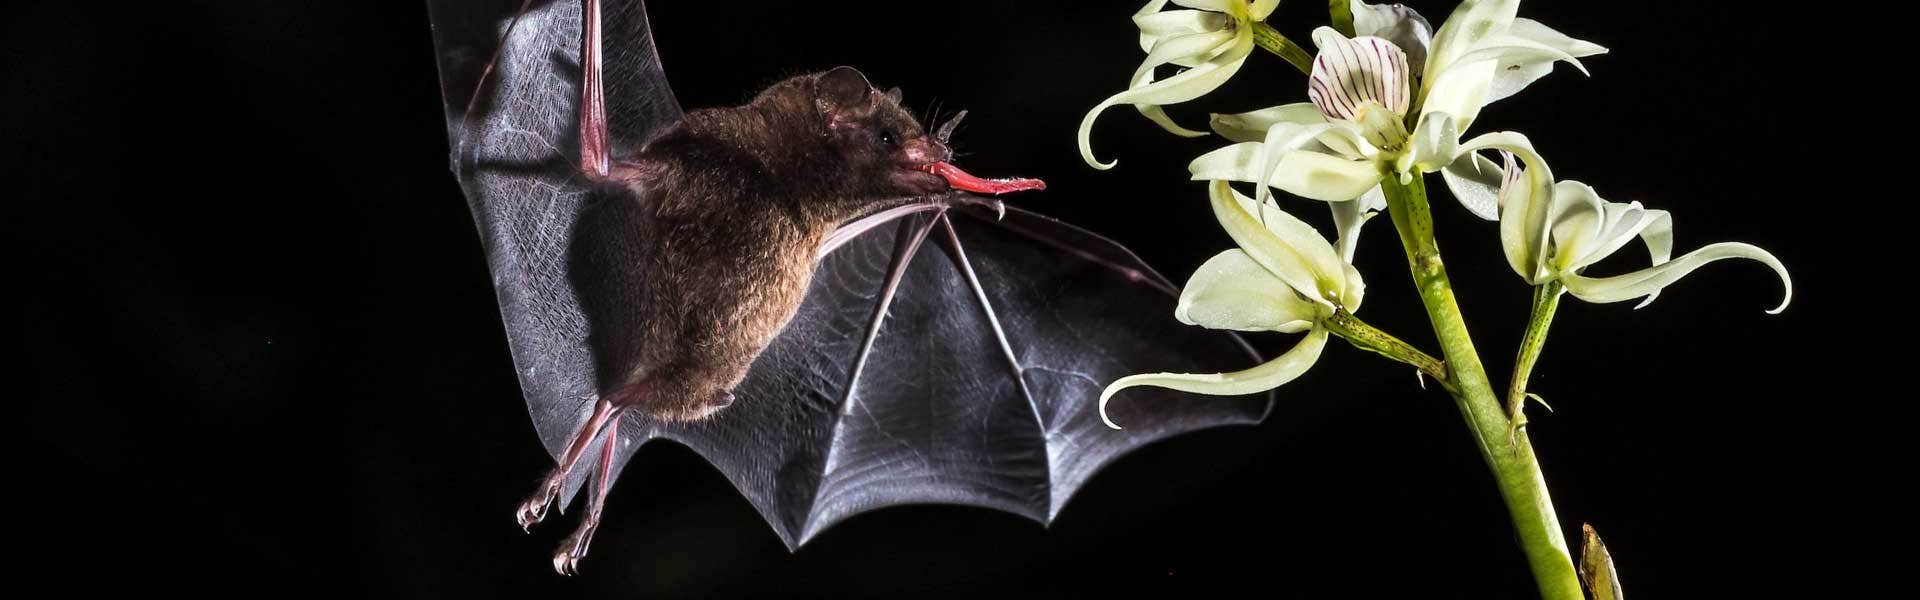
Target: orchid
<point>1390,100</point>
<point>1581,228</point>
<point>1284,277</point>
<point>1354,133</point>
<point>1211,42</point>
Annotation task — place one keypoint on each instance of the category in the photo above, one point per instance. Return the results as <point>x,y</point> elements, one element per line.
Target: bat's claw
<point>566,560</point>
<point>534,508</point>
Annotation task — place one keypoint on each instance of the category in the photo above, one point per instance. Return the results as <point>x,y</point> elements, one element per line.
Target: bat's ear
<point>844,90</point>
<point>894,95</point>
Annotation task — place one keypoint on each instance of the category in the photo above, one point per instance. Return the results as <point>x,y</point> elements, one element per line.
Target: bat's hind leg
<point>566,560</point>
<point>534,508</point>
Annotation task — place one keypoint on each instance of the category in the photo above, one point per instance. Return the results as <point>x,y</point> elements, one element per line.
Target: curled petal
<point>1187,85</point>
<point>1272,374</point>
<point>1516,73</point>
<point>1288,247</point>
<point>1155,25</point>
<point>1649,281</point>
<point>1184,50</point>
<point>1303,173</point>
<point>1526,195</point>
<point>1232,291</point>
<point>1475,182</point>
<point>1348,73</point>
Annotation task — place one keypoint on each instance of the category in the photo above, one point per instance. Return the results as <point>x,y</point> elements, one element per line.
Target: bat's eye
<point>888,137</point>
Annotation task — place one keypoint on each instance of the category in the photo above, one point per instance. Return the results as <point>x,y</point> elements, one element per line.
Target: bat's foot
<point>566,560</point>
<point>534,508</point>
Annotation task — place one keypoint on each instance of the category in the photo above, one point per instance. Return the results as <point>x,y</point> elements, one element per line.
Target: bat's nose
<point>925,151</point>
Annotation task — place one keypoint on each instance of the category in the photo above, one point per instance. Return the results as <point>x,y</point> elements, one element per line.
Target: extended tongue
<point>961,180</point>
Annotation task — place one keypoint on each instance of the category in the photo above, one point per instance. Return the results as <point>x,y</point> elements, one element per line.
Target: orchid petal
<point>1232,291</point>
<point>1348,73</point>
<point>1356,288</point>
<point>1261,9</point>
<point>1253,126</point>
<point>1459,90</point>
<point>1649,281</point>
<point>1396,23</point>
<point>1282,139</point>
<point>1587,228</point>
<point>1225,6</point>
<point>1178,50</point>
<point>1513,74</point>
<point>1435,144</point>
<point>1525,199</point>
<point>1303,173</point>
<point>1471,22</point>
<point>1458,87</point>
<point>1475,182</point>
<point>1349,216</point>
<point>1288,247</point>
<point>1575,220</point>
<point>1155,25</point>
<point>1187,85</point>
<point>1272,374</point>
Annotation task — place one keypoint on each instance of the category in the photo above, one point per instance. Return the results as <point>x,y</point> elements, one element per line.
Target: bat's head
<point>885,150</point>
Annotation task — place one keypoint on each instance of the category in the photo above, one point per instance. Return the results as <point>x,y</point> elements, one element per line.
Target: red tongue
<point>961,180</point>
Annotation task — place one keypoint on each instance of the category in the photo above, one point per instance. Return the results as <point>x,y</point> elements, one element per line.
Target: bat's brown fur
<point>738,201</point>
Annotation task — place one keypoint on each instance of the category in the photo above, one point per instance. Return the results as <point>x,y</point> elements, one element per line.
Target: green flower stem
<point>1341,16</point>
<point>1546,298</point>
<point>1269,38</point>
<point>1511,459</point>
<point>1366,337</point>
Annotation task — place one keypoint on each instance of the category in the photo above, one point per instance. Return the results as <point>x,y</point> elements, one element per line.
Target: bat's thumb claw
<point>534,508</point>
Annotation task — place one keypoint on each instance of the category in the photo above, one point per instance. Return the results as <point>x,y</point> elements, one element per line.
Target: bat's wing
<point>956,403</point>
<point>953,402</point>
<point>552,242</point>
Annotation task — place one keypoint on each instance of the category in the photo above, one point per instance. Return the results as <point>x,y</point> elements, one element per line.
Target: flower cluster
<point>1388,104</point>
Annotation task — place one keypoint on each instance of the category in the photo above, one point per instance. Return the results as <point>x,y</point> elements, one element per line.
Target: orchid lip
<point>964,181</point>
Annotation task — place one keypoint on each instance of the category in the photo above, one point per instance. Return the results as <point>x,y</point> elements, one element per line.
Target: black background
<point>264,349</point>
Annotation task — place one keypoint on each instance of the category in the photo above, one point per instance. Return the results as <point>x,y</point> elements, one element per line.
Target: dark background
<point>263,348</point>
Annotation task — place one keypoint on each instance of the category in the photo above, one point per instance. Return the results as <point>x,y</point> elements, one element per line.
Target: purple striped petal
<point>1349,72</point>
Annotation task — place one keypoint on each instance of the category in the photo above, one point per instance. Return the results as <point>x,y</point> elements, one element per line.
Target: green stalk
<point>1366,337</point>
<point>1340,14</point>
<point>1269,38</point>
<point>1546,299</point>
<point>1511,460</point>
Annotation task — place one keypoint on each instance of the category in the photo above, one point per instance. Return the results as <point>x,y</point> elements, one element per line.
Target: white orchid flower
<point>1482,54</point>
<point>1211,42</point>
<point>1284,277</point>
<point>1580,228</point>
<point>1339,146</point>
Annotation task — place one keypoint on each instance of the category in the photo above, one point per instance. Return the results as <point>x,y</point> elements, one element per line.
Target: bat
<point>831,319</point>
